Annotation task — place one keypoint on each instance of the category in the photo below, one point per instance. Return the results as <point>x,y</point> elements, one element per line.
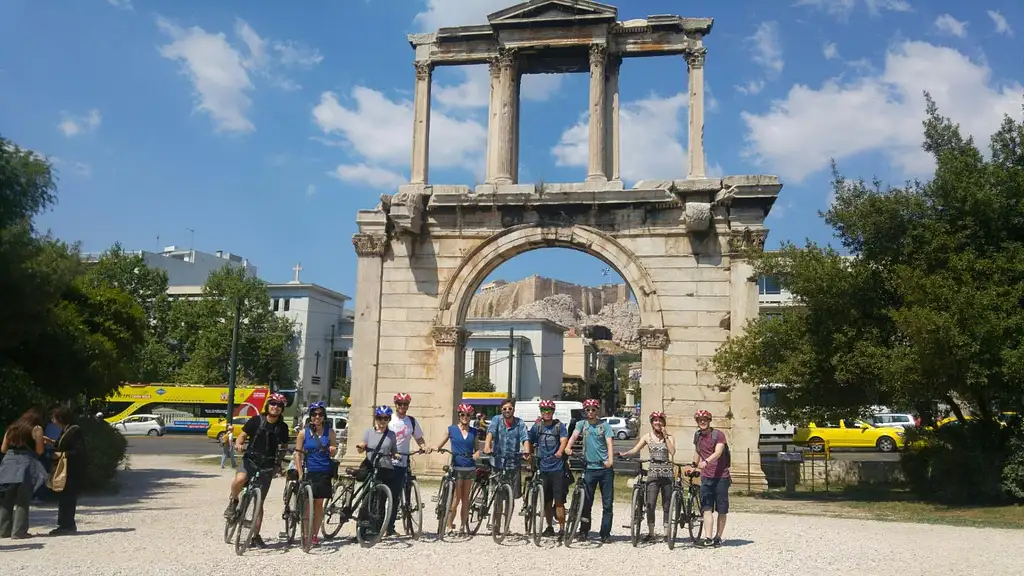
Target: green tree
<point>478,383</point>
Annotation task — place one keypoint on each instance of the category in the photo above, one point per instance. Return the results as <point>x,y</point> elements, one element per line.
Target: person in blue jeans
<point>597,454</point>
<point>506,434</point>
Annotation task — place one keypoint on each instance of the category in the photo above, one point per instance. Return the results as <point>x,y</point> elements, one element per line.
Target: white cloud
<point>123,4</point>
<point>310,189</point>
<point>444,13</point>
<point>882,112</point>
<point>74,125</point>
<point>220,72</point>
<point>372,176</point>
<point>766,51</point>
<point>651,134</point>
<point>842,8</point>
<point>830,50</point>
<point>950,25</point>
<point>1002,26</point>
<point>751,87</point>
<point>83,169</point>
<point>379,130</point>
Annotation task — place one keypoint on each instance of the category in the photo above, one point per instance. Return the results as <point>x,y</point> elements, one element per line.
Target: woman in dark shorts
<point>464,438</point>
<point>314,449</point>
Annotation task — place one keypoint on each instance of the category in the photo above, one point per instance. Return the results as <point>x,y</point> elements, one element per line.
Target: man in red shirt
<point>711,453</point>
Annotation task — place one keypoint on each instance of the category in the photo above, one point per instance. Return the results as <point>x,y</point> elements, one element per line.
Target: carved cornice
<point>449,335</point>
<point>598,54</point>
<point>747,239</point>
<point>370,245</point>
<point>695,57</point>
<point>423,70</point>
<point>653,338</point>
<point>507,58</point>
<point>494,67</point>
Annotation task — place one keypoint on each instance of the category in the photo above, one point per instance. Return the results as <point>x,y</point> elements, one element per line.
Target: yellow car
<point>848,434</point>
<point>217,431</point>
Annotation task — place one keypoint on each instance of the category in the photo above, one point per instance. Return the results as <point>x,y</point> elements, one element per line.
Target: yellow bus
<point>184,408</point>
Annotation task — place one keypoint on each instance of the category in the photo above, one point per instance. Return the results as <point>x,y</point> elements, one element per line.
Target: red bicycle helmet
<point>657,415</point>
<point>465,409</point>
<point>279,398</point>
<point>546,405</point>
<point>591,403</point>
<point>402,397</point>
<point>702,414</point>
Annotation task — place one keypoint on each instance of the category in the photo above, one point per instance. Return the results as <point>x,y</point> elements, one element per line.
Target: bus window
<point>111,409</point>
<point>179,410</point>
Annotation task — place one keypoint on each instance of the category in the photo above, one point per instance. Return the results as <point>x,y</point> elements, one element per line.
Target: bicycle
<point>638,502</point>
<point>298,512</point>
<point>478,497</point>
<point>499,496</point>
<point>411,513</point>
<point>372,498</point>
<point>250,500</point>
<point>572,515</point>
<point>685,506</point>
<point>533,502</point>
<point>446,495</point>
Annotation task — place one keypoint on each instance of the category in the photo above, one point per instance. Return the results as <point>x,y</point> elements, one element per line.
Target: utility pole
<point>511,348</point>
<point>233,376</point>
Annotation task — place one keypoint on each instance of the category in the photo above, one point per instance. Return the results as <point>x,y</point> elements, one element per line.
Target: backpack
<point>714,431</point>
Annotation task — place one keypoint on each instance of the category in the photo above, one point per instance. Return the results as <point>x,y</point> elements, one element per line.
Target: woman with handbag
<point>69,462</point>
<point>314,453</point>
<point>21,472</point>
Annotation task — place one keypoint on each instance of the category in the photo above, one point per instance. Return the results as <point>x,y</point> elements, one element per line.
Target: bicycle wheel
<point>337,511</point>
<point>374,516</point>
<point>305,514</point>
<point>412,513</point>
<point>637,507</point>
<point>675,516</point>
<point>291,508</point>
<point>694,516</point>
<point>477,507</point>
<point>230,525</point>
<point>501,513</point>
<point>444,506</point>
<point>250,510</point>
<point>572,517</point>
<point>537,512</point>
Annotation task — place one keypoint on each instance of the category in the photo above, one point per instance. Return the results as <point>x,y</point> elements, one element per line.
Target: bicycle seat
<point>446,468</point>
<point>694,474</point>
<point>351,471</point>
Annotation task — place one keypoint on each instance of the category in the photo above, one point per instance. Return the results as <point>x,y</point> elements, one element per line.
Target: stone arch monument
<point>679,244</point>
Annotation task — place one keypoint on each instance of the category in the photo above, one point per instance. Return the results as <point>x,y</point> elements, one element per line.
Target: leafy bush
<point>106,449</point>
<point>1013,472</point>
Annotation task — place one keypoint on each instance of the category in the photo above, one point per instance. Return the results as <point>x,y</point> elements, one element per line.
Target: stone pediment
<point>553,12</point>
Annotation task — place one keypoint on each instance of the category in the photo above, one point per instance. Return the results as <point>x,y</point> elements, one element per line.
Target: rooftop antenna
<point>192,240</point>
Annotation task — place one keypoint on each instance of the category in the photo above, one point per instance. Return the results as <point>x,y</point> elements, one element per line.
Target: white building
<point>770,295</point>
<point>536,355</point>
<point>187,270</point>
<point>324,332</point>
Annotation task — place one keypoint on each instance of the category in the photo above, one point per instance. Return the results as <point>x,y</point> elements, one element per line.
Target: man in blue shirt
<point>510,433</point>
<point>597,455</point>
<point>550,436</point>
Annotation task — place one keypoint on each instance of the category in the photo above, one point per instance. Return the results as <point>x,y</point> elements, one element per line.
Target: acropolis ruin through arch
<point>678,244</point>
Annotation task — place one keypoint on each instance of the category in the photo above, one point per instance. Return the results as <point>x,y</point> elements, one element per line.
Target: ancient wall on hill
<point>500,299</point>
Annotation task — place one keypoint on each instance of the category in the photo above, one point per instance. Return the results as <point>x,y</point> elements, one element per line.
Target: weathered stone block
<point>696,303</point>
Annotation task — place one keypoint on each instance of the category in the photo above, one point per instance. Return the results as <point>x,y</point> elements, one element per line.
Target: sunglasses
<point>464,415</point>
<point>277,404</point>
<point>401,403</point>
<point>508,409</point>
<point>547,411</point>
<point>318,415</point>
<point>590,409</point>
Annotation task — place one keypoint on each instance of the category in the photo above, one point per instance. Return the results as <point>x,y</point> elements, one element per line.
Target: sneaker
<point>605,539</point>
<point>61,531</point>
<point>548,532</point>
<point>229,512</point>
<point>316,541</point>
<point>707,543</point>
<point>25,536</point>
<point>717,542</point>
<point>258,542</point>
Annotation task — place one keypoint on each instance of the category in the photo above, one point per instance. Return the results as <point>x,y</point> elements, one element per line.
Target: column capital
<point>695,57</point>
<point>449,335</point>
<point>653,338</point>
<point>370,244</point>
<point>743,240</point>
<point>507,57</point>
<point>494,66</point>
<point>598,54</point>
<point>423,69</point>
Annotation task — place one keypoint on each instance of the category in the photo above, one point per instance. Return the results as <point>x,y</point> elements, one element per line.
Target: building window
<point>339,367</point>
<point>277,304</point>
<point>287,304</point>
<point>482,362</point>
<point>768,285</point>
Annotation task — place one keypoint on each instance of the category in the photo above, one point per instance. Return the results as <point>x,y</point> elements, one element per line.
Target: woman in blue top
<point>464,449</point>
<point>314,449</point>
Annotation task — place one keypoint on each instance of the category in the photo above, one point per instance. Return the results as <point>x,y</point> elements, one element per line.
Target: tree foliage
<point>478,383</point>
<point>929,308</point>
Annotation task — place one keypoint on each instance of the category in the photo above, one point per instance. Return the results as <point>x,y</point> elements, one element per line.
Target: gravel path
<point>167,521</point>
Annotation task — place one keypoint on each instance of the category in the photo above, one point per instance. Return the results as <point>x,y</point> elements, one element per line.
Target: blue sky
<point>264,127</point>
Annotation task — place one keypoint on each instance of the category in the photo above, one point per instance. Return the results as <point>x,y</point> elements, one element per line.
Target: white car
<point>620,427</point>
<point>891,420</point>
<point>141,425</point>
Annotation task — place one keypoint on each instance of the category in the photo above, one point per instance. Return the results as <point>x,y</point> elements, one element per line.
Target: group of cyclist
<point>508,441</point>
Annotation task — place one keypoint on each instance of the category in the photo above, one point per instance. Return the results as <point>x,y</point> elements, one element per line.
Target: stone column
<point>612,121</point>
<point>598,156</point>
<point>743,401</point>
<point>421,124</point>
<point>653,342</point>
<point>695,64</point>
<point>370,249</point>
<point>517,80</point>
<point>450,344</point>
<point>493,109</point>
<point>505,136</point>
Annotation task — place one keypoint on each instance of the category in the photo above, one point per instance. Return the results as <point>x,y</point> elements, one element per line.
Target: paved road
<point>176,444</point>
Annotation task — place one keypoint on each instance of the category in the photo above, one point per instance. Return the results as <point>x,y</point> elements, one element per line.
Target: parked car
<point>620,427</point>
<point>141,425</point>
<point>848,434</point>
<point>890,420</point>
<point>337,421</point>
<point>217,431</point>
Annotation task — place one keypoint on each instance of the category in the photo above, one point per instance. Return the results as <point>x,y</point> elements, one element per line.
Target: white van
<point>529,410</point>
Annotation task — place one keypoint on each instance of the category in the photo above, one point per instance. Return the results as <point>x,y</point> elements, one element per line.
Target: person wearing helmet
<point>405,428</point>
<point>464,437</point>
<point>549,436</point>
<point>711,453</point>
<point>662,447</point>
<point>597,454</point>
<point>508,442</point>
<point>268,437</point>
<point>379,439</point>
<point>315,448</point>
